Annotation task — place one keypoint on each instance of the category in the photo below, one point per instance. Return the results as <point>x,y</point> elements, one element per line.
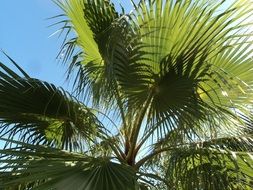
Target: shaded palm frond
<point>40,167</point>
<point>222,163</point>
<point>210,168</point>
<point>38,112</point>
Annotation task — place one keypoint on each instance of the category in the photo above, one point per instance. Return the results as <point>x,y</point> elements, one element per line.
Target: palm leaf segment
<point>95,25</point>
<point>177,72</point>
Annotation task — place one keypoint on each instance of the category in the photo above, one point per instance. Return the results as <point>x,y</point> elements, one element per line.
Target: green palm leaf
<point>94,40</point>
<point>221,163</point>
<point>208,168</point>
<point>38,112</point>
<point>188,48</point>
<point>39,167</point>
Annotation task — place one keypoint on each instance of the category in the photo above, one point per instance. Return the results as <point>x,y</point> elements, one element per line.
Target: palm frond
<point>38,112</point>
<point>210,168</point>
<point>40,167</point>
<point>93,22</point>
<point>188,47</point>
<point>221,163</point>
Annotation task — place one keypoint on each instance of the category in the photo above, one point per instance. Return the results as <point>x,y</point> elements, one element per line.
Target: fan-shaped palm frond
<point>190,47</point>
<point>38,112</point>
<point>38,167</point>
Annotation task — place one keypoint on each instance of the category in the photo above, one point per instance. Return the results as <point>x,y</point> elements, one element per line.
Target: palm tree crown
<point>162,99</point>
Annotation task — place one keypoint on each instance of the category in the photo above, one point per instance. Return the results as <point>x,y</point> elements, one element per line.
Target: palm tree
<point>162,99</point>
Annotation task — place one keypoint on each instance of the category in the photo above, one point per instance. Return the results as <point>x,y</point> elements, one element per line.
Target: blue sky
<point>24,35</point>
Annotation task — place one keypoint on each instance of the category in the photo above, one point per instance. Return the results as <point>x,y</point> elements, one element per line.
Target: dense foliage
<point>162,99</point>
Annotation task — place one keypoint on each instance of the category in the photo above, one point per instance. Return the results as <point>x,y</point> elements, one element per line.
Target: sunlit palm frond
<point>188,46</point>
<point>74,10</point>
<point>94,23</point>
